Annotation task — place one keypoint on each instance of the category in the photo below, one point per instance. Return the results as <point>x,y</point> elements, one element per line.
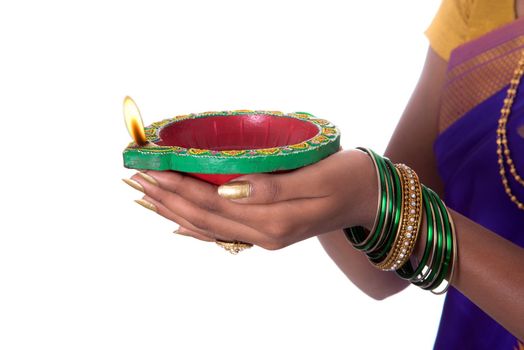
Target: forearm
<point>487,270</point>
<point>489,273</point>
<point>411,143</point>
<point>355,265</point>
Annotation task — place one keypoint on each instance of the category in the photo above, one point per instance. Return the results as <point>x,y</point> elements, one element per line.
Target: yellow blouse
<point>459,21</point>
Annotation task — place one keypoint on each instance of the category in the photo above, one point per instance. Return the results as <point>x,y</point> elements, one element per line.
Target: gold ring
<point>234,247</point>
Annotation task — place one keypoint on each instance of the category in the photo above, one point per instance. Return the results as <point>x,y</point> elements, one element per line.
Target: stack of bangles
<point>402,202</point>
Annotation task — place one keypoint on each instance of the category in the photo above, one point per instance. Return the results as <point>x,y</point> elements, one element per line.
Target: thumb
<point>264,188</point>
<point>257,189</point>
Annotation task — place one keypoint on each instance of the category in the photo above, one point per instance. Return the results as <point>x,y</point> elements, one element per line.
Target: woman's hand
<point>280,209</point>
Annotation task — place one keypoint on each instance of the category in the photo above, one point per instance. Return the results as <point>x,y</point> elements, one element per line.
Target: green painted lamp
<point>220,146</point>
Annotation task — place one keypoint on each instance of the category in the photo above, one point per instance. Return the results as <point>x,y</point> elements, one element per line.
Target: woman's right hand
<point>277,209</point>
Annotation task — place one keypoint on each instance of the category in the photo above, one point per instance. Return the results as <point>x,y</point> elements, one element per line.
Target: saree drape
<point>478,76</point>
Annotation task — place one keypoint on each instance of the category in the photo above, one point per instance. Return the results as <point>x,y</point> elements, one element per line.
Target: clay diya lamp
<point>220,146</point>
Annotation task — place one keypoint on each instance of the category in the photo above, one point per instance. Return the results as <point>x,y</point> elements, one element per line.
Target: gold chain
<point>503,152</point>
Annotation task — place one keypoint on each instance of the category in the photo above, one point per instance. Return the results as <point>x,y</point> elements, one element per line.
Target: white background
<point>84,267</point>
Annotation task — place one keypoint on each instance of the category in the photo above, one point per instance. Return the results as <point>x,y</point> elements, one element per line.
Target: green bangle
<point>381,231</point>
<point>381,253</point>
<point>361,242</point>
<point>448,246</point>
<point>357,234</point>
<point>390,195</point>
<point>438,253</point>
<point>437,265</point>
<point>380,250</point>
<point>453,262</point>
<point>428,270</point>
<point>407,272</point>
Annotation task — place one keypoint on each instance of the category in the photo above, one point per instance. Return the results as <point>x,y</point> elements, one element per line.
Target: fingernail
<point>180,232</point>
<point>134,184</point>
<point>148,178</point>
<point>147,205</point>
<point>183,232</point>
<point>235,190</point>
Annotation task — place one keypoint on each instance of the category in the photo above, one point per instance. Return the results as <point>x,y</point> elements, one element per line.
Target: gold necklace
<point>503,152</point>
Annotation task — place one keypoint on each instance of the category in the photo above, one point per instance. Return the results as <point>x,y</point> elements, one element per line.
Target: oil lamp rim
<point>325,142</point>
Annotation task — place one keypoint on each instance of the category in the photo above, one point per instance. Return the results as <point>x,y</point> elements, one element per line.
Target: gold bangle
<point>407,234</point>
<point>384,264</point>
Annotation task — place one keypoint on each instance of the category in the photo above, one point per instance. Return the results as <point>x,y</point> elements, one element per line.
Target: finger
<point>185,213</point>
<point>284,222</point>
<point>197,191</point>
<point>277,237</point>
<point>306,182</point>
<point>159,208</point>
<point>203,195</point>
<point>188,233</point>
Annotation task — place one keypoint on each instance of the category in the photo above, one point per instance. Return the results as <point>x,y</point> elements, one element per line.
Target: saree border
<point>478,69</point>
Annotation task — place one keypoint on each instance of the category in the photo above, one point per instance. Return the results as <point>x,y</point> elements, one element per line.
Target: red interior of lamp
<point>237,132</point>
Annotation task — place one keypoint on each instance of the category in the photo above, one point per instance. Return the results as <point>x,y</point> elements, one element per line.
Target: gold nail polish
<point>235,190</point>
<point>147,205</point>
<point>134,184</point>
<point>148,178</point>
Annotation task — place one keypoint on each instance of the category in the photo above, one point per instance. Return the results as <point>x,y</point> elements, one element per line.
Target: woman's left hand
<point>280,209</point>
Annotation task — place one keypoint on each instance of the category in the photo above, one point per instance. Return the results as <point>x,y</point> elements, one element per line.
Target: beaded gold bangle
<point>414,219</point>
<point>408,272</point>
<point>408,233</point>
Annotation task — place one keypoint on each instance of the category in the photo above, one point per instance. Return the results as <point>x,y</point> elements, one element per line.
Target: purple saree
<point>478,75</point>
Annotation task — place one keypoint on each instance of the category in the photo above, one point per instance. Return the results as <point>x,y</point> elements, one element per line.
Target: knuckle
<point>200,222</point>
<point>179,184</point>
<point>273,230</point>
<point>301,230</point>
<point>273,244</point>
<point>272,190</point>
<point>278,229</point>
<point>280,234</point>
<point>165,198</point>
<point>212,206</point>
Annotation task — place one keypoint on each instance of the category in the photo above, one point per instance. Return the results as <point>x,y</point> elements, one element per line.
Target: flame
<point>134,123</point>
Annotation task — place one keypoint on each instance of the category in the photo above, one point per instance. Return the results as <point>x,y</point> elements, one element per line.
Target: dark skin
<point>487,270</point>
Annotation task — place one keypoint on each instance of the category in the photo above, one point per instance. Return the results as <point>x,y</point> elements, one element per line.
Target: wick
<point>148,144</point>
